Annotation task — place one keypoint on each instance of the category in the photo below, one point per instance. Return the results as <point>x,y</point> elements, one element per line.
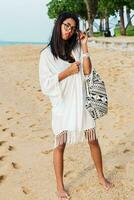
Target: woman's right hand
<point>74,68</point>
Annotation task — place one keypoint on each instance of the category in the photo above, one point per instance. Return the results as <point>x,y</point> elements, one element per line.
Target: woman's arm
<point>64,74</point>
<point>72,69</point>
<point>87,66</point>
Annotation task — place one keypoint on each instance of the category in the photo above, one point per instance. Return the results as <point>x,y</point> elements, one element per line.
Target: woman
<point>63,68</point>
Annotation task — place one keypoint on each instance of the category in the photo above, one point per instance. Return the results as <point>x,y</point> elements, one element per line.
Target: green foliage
<point>97,34</point>
<point>109,7</point>
<point>106,8</point>
<point>129,31</point>
<point>55,7</point>
<point>117,31</point>
<point>120,3</point>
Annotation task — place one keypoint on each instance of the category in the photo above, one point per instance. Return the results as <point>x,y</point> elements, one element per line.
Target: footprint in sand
<point>17,113</point>
<point>2,158</point>
<point>39,90</point>
<point>43,137</point>
<point>47,151</point>
<point>67,173</point>
<point>2,142</point>
<point>9,118</point>
<point>122,143</point>
<point>32,125</point>
<point>41,99</point>
<point>7,111</point>
<point>119,167</point>
<point>10,148</point>
<point>71,159</point>
<point>15,165</point>
<point>2,178</point>
<point>40,129</point>
<point>4,129</point>
<point>80,187</point>
<point>12,134</point>
<point>17,83</point>
<point>126,150</point>
<point>25,190</point>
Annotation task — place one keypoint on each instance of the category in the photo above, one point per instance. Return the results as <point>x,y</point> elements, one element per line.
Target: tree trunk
<point>128,16</point>
<point>91,6</point>
<point>90,25</point>
<point>101,25</point>
<point>122,24</point>
<point>106,21</point>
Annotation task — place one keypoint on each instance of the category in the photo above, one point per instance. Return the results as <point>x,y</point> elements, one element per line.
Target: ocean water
<point>4,43</point>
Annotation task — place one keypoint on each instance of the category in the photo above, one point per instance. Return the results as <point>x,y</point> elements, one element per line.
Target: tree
<point>88,9</point>
<point>55,7</point>
<point>105,9</point>
<point>92,6</point>
<point>128,10</point>
<point>119,6</point>
<point>122,22</point>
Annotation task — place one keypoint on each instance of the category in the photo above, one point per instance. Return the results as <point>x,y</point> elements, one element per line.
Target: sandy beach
<point>26,138</point>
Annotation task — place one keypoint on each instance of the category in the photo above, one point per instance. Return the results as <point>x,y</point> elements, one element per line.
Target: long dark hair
<point>59,47</point>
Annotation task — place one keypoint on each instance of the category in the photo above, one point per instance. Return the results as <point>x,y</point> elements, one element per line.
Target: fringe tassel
<point>72,137</point>
<point>90,134</point>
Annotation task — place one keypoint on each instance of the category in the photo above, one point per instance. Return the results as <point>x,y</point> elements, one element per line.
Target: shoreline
<point>10,43</point>
<point>123,43</point>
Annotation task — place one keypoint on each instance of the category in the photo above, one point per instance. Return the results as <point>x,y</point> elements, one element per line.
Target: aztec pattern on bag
<point>96,96</point>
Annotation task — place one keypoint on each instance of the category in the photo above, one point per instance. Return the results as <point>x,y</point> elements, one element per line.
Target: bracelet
<point>86,55</point>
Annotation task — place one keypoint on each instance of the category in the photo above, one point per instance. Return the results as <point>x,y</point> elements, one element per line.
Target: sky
<point>24,20</point>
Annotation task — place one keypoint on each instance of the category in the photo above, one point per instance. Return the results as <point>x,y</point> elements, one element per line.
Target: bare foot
<point>62,194</point>
<point>106,184</point>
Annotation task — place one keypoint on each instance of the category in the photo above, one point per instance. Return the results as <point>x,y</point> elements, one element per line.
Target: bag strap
<point>79,58</point>
<point>91,74</point>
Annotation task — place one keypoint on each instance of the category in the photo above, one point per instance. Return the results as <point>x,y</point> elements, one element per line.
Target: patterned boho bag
<point>96,101</point>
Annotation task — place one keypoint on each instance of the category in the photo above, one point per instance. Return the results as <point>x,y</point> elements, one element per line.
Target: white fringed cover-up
<point>71,123</point>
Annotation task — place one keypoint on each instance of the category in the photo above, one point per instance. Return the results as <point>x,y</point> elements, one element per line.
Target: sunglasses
<point>67,27</point>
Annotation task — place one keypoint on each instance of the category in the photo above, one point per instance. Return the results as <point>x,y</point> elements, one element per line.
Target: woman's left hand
<point>83,38</point>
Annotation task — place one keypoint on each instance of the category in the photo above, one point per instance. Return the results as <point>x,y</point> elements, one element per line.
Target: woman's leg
<point>97,158</point>
<point>58,161</point>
